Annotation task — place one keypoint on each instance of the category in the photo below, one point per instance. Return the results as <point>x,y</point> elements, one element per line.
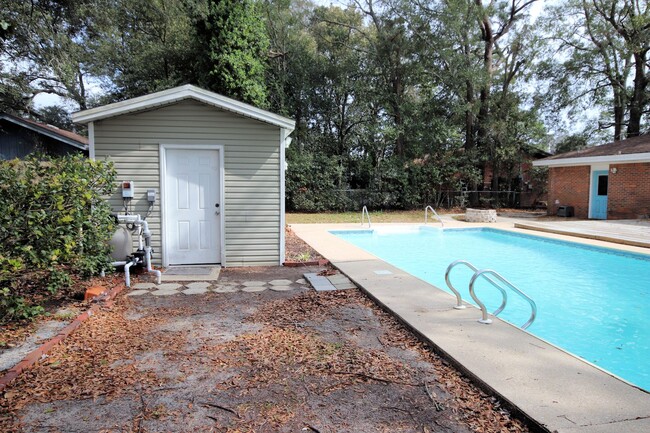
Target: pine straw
<point>480,411</point>
<point>87,366</point>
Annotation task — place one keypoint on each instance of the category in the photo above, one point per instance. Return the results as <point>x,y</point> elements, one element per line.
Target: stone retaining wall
<point>480,215</point>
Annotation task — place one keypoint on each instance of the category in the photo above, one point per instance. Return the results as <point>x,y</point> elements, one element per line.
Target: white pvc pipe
<point>144,226</point>
<point>127,274</point>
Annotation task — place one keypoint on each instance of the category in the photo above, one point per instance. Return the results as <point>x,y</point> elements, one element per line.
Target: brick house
<point>611,181</point>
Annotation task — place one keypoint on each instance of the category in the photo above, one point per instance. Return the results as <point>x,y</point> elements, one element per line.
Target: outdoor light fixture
<point>613,170</point>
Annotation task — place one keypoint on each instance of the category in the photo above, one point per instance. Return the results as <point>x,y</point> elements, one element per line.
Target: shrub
<point>54,228</point>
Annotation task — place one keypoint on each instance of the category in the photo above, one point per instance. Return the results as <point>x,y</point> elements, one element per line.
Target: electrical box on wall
<point>127,189</point>
<point>151,196</point>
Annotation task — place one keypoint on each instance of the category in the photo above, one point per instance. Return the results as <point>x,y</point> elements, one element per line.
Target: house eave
<point>628,158</point>
<point>177,94</point>
<point>47,133</point>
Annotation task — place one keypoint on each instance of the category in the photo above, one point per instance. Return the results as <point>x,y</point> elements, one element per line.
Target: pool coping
<point>555,390</point>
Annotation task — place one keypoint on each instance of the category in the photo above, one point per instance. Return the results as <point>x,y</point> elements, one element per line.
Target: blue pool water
<point>593,302</point>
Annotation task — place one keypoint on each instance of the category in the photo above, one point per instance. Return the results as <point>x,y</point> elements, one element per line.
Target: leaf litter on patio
<point>241,362</point>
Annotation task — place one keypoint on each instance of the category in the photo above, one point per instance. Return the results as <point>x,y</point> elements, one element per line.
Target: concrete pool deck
<point>556,390</point>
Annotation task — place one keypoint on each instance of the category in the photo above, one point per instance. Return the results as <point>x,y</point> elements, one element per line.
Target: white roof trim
<point>626,158</point>
<point>177,94</point>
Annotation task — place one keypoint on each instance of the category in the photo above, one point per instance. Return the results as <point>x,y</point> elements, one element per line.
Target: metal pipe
<point>119,263</point>
<point>459,301</point>
<point>484,319</point>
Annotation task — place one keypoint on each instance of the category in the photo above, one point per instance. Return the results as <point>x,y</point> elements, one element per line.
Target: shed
<point>611,181</point>
<point>19,137</point>
<point>216,164</point>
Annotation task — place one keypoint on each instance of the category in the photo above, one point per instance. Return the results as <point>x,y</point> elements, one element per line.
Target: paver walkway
<point>200,287</point>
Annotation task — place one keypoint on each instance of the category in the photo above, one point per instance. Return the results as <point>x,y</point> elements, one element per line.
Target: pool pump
<point>122,244</point>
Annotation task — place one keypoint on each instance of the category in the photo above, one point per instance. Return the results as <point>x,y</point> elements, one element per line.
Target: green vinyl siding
<point>251,162</point>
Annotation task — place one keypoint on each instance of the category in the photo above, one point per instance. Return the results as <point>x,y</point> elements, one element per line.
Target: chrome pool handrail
<point>459,301</point>
<point>364,212</point>
<point>426,215</point>
<point>484,316</point>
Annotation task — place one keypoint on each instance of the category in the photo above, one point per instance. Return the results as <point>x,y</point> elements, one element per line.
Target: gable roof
<point>176,94</point>
<point>67,137</point>
<point>635,149</point>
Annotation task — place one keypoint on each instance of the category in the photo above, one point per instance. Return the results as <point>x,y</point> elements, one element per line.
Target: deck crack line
<point>617,421</point>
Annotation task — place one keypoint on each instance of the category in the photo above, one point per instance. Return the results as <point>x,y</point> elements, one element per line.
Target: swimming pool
<point>591,301</point>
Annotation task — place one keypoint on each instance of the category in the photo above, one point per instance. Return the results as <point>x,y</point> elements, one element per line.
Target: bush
<point>54,228</point>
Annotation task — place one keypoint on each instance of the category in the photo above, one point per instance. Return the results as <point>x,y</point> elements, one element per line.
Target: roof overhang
<point>45,131</point>
<point>170,96</point>
<point>628,158</point>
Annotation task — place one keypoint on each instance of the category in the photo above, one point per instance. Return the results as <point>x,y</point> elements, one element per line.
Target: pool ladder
<point>426,215</point>
<point>364,213</point>
<point>494,278</point>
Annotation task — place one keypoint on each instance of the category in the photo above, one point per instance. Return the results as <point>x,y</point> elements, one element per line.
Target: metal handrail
<point>364,212</point>
<point>484,317</point>
<point>459,300</point>
<point>426,215</point>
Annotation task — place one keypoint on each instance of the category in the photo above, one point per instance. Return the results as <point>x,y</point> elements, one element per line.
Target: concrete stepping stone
<point>165,292</point>
<point>252,289</point>
<point>301,281</point>
<point>198,285</point>
<point>168,286</point>
<point>253,283</point>
<point>195,291</point>
<point>280,282</point>
<point>281,288</point>
<point>138,292</point>
<point>225,289</point>
<point>144,286</point>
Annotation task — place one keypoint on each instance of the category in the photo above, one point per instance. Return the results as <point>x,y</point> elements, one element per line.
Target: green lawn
<point>410,216</point>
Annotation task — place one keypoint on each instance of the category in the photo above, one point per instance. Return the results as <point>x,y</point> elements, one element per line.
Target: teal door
<point>599,183</point>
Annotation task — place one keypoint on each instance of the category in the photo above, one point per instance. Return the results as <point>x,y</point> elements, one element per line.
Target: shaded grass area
<point>388,216</point>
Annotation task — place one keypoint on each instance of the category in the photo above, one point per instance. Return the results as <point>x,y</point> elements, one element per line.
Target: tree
<point>233,51</point>
<point>49,45</point>
<point>147,47</point>
<point>603,48</point>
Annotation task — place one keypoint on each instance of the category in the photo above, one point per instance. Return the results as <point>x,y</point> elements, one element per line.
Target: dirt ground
<point>247,362</point>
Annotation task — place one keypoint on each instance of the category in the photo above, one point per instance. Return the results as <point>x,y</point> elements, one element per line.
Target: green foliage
<point>54,227</point>
<point>234,45</point>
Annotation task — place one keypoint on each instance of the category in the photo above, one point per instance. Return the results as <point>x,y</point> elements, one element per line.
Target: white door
<point>192,206</point>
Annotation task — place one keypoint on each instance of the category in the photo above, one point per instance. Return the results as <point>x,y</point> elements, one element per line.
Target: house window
<point>602,185</point>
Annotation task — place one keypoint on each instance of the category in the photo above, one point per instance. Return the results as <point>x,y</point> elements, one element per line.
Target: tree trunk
<point>638,99</point>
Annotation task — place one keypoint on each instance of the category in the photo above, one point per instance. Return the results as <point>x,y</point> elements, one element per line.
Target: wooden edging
<point>36,355</point>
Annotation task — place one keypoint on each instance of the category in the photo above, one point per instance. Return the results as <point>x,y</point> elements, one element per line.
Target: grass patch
<point>390,216</point>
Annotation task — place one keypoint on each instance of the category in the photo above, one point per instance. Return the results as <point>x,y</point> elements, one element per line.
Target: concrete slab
<point>198,285</point>
<point>169,286</point>
<point>144,286</point>
<point>196,291</point>
<point>280,282</point>
<point>253,289</point>
<point>225,289</point>
<point>253,283</point>
<point>281,288</point>
<point>319,283</point>
<point>555,389</point>
<point>626,232</point>
<point>138,293</point>
<point>166,292</point>
<point>191,273</point>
